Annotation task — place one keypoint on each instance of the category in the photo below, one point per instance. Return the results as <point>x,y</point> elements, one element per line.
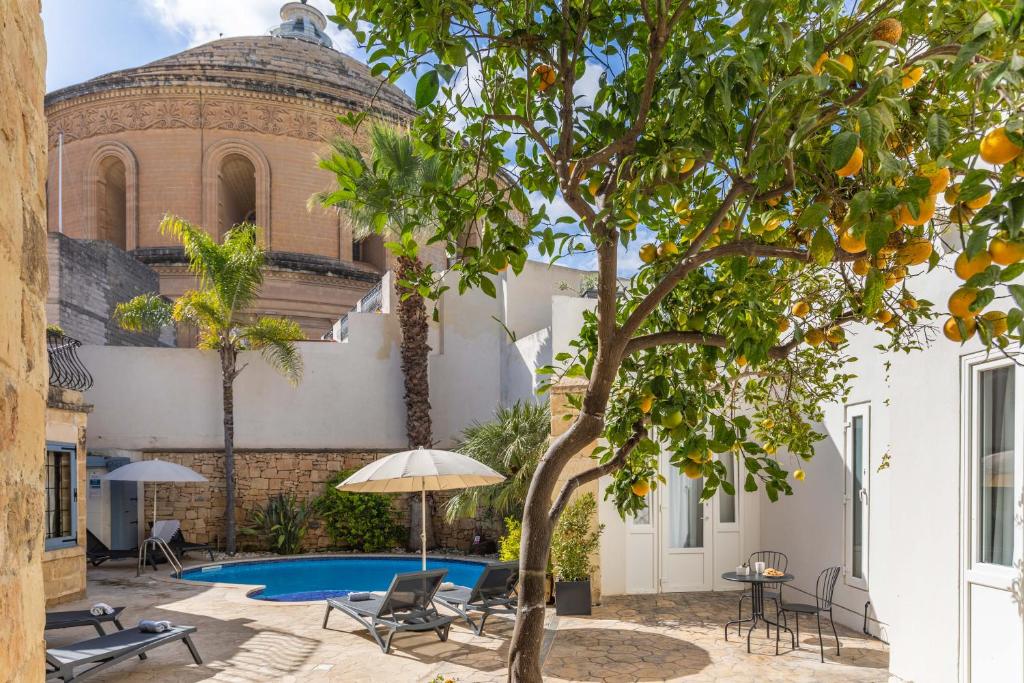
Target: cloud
<point>586,87</point>
<point>201,21</point>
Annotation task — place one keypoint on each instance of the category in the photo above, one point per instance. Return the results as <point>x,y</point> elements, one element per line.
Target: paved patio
<point>671,637</point>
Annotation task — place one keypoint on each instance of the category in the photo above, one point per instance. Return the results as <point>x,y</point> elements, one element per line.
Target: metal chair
<point>823,591</point>
<point>773,591</point>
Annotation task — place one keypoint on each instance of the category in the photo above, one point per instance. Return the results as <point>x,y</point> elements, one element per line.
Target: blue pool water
<point>322,577</point>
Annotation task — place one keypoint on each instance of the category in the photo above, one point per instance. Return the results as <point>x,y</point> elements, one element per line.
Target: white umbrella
<point>422,470</point>
<point>154,470</point>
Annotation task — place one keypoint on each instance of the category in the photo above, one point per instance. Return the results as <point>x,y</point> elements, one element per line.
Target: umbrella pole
<point>154,509</point>
<point>423,523</point>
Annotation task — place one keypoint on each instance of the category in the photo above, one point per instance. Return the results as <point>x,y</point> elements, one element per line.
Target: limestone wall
<point>22,338</point>
<point>262,474</point>
<point>64,568</point>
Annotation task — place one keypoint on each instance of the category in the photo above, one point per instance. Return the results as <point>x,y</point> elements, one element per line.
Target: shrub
<point>357,521</point>
<point>282,521</point>
<point>508,546</point>
<point>575,540</point>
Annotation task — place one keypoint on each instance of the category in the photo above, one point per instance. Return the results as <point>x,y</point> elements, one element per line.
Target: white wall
<point>914,512</point>
<point>526,308</point>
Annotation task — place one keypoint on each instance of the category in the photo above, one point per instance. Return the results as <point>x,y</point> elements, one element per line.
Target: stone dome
<point>269,65</point>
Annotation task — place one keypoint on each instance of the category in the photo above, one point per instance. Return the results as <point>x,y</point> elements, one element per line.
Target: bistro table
<point>757,583</point>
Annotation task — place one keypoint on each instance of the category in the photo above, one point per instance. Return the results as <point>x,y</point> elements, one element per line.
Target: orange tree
<point>795,165</point>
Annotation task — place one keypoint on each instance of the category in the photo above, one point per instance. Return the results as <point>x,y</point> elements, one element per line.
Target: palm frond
<point>203,309</point>
<point>275,339</point>
<point>512,444</point>
<point>242,274</point>
<point>144,313</point>
<point>205,258</point>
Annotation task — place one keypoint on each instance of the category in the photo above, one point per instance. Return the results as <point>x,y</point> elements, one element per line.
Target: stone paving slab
<point>669,637</point>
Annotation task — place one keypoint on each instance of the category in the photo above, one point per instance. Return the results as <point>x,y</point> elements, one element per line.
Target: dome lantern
<point>302,22</point>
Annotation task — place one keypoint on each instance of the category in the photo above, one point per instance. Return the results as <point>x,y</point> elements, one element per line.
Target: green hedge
<point>357,521</point>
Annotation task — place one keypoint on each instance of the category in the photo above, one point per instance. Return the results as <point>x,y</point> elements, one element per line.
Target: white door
<point>686,523</point>
<point>727,542</point>
<point>992,629</point>
<point>642,548</point>
<point>857,495</point>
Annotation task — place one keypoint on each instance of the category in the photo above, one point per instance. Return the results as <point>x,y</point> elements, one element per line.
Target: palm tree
<point>228,276</point>
<point>378,195</point>
<point>511,444</point>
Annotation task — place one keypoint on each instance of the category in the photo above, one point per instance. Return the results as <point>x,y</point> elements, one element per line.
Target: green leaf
<point>813,215</point>
<point>750,484</point>
<point>842,148</point>
<point>874,286</point>
<point>487,286</point>
<point>1017,292</point>
<point>938,134</point>
<point>426,88</point>
<point>823,247</point>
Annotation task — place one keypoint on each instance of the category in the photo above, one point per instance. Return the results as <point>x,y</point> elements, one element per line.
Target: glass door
<point>686,558</point>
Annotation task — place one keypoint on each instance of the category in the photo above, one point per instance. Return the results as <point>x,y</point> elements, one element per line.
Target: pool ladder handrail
<point>160,544</point>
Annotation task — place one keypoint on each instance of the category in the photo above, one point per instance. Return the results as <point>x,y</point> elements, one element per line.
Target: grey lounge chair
<point>83,617</point>
<point>99,654</point>
<point>169,531</point>
<point>407,606</point>
<point>97,552</point>
<point>494,592</point>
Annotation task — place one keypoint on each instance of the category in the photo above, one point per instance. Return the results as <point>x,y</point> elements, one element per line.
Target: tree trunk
<point>524,665</point>
<point>412,318</point>
<point>227,365</point>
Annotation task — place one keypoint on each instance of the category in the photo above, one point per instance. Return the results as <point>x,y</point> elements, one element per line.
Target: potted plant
<point>574,542</point>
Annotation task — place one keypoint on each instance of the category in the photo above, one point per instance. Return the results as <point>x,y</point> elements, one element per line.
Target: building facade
<point>222,133</point>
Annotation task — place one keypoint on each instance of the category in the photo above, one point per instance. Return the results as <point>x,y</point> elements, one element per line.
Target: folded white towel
<point>152,626</point>
<point>359,597</point>
<point>101,609</point>
<point>447,586</point>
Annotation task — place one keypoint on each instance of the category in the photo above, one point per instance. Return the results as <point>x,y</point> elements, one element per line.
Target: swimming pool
<point>315,578</point>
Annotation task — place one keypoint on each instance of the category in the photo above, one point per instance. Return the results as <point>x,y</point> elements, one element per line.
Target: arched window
<point>112,202</point>
<point>236,192</point>
<point>236,187</point>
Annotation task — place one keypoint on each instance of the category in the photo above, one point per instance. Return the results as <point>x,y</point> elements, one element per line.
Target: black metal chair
<point>772,591</point>
<point>823,591</point>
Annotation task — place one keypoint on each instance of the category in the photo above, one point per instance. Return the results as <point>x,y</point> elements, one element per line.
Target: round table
<point>757,583</point>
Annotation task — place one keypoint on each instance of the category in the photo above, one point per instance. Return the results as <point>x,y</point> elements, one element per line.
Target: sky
<point>87,38</point>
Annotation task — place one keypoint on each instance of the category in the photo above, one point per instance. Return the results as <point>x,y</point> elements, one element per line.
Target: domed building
<point>222,133</point>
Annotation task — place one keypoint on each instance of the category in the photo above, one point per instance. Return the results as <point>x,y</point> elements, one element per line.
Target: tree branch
<point>639,432</point>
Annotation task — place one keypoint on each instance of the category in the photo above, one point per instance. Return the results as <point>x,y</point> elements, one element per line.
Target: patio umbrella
<point>422,469</point>
<point>155,471</point>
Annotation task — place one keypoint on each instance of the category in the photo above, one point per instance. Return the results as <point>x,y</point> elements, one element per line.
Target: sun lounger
<point>83,617</point>
<point>494,592</point>
<point>81,660</point>
<point>97,552</point>
<point>169,531</point>
<point>407,606</point>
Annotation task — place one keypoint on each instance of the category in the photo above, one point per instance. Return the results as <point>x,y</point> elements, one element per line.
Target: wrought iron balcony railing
<point>66,369</point>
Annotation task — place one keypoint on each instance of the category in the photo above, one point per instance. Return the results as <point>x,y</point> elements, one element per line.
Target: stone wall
<point>88,278</point>
<point>262,474</point>
<point>64,569</point>
<point>22,338</point>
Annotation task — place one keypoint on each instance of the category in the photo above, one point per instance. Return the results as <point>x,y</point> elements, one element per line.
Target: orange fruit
<point>846,61</point>
<point>911,76</point>
<point>686,165</point>
<point>853,164</point>
<point>952,194</point>
<point>814,337</point>
<point>646,403</point>
<point>961,214</point>
<point>1004,252</point>
<point>967,268</point>
<point>952,331</point>
<point>914,252</point>
<point>801,309</point>
<point>909,304</point>
<point>741,361</point>
<point>925,211</point>
<point>667,249</point>
<point>852,244</point>
<point>861,266</point>
<point>641,488</point>
<point>692,470</point>
<point>883,316</point>
<point>819,65</point>
<point>998,148</point>
<point>782,324</point>
<point>979,202</point>
<point>648,253</point>
<point>939,179</point>
<point>960,302</point>
<point>997,322</point>
<point>799,475</point>
<point>545,75</point>
<point>835,335</point>
<point>895,276</point>
<point>888,31</point>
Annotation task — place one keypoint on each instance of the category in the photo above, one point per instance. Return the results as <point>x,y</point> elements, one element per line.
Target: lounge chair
<point>79,661</point>
<point>97,552</point>
<point>407,606</point>
<point>169,531</point>
<point>494,592</point>
<point>83,617</point>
